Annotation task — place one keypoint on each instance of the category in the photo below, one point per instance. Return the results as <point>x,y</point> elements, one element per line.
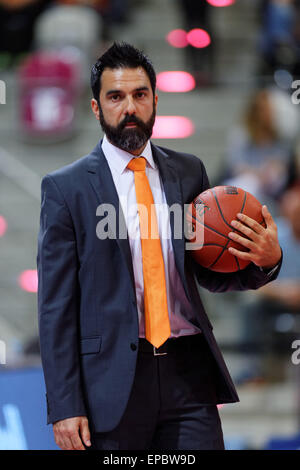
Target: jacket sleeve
<point>58,305</point>
<point>252,277</point>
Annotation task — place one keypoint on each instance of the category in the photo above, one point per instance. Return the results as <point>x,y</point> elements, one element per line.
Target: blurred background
<point>227,75</point>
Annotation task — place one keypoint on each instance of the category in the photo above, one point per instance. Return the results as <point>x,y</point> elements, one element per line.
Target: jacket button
<point>133,346</point>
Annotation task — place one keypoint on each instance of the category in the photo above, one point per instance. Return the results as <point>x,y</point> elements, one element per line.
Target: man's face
<point>127,108</point>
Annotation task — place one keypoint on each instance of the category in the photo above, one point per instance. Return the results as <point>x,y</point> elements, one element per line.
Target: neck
<point>139,151</point>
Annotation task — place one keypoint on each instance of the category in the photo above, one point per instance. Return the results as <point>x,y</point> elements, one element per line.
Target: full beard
<point>128,139</point>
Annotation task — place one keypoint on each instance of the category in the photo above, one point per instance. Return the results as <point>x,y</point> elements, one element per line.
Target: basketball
<point>208,218</point>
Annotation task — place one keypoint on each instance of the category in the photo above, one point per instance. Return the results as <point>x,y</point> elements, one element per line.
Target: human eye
<point>140,94</point>
<point>115,97</point>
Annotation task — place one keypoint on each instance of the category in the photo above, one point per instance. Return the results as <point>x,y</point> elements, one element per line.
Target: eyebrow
<point>141,88</point>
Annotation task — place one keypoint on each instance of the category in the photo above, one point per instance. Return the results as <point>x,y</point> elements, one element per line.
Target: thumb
<point>85,432</point>
<point>266,215</point>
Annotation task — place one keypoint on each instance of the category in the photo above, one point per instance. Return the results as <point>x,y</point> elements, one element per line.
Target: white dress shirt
<point>179,307</point>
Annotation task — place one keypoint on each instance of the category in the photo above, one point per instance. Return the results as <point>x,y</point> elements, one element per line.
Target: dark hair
<point>121,55</point>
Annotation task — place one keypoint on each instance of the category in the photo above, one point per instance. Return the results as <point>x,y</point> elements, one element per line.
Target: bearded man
<point>129,356</point>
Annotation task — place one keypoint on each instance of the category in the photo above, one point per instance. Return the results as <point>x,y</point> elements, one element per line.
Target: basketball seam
<point>213,244</point>
<point>219,256</point>
<point>244,202</point>
<point>228,225</point>
<point>221,213</point>
<point>220,210</point>
<point>210,228</point>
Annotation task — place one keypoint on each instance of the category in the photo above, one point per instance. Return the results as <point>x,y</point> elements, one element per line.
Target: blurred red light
<point>198,38</point>
<point>220,3</point>
<point>3,226</point>
<point>28,280</point>
<point>175,82</point>
<point>172,127</point>
<point>177,38</point>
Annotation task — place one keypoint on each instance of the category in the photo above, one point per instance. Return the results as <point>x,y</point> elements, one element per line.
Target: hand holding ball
<point>212,212</point>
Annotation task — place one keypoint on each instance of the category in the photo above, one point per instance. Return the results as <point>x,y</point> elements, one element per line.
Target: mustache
<point>131,119</point>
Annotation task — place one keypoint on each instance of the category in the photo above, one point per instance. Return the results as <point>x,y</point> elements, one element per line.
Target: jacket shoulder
<point>69,170</point>
<point>68,178</point>
<point>182,157</point>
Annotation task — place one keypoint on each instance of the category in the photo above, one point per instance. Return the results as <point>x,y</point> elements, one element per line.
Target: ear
<point>155,101</point>
<point>95,108</point>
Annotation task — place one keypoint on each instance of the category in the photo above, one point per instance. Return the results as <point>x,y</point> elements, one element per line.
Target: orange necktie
<point>157,323</point>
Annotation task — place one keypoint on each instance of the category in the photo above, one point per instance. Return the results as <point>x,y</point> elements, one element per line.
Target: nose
<point>130,106</point>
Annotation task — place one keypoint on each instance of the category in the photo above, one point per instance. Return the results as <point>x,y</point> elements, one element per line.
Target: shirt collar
<point>119,158</point>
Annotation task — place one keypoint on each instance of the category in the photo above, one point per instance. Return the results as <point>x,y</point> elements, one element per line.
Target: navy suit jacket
<point>88,317</point>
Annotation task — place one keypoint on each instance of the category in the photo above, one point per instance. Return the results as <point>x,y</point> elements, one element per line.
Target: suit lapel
<point>101,179</point>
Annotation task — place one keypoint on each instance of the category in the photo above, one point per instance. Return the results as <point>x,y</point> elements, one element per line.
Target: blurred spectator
<point>113,10</point>
<point>200,61</point>
<point>259,150</point>
<point>74,23</point>
<point>50,85</point>
<point>17,20</point>
<point>90,3</point>
<point>286,289</point>
<point>280,36</point>
<point>100,6</point>
<point>73,28</point>
<point>294,170</point>
<point>116,11</point>
<point>271,321</point>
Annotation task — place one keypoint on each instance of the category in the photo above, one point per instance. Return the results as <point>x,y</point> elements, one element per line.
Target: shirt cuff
<point>270,271</point>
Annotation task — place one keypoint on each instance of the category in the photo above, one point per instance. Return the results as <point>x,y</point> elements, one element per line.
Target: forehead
<point>124,79</point>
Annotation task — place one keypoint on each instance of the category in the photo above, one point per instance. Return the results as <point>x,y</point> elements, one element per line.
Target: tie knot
<point>137,164</point>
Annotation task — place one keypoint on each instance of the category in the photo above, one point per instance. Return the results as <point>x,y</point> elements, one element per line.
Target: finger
<point>60,440</point>
<point>241,240</point>
<point>65,435</point>
<point>85,432</point>
<point>76,441</point>
<point>66,443</point>
<point>267,216</point>
<point>255,226</point>
<point>240,254</point>
<point>244,229</point>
